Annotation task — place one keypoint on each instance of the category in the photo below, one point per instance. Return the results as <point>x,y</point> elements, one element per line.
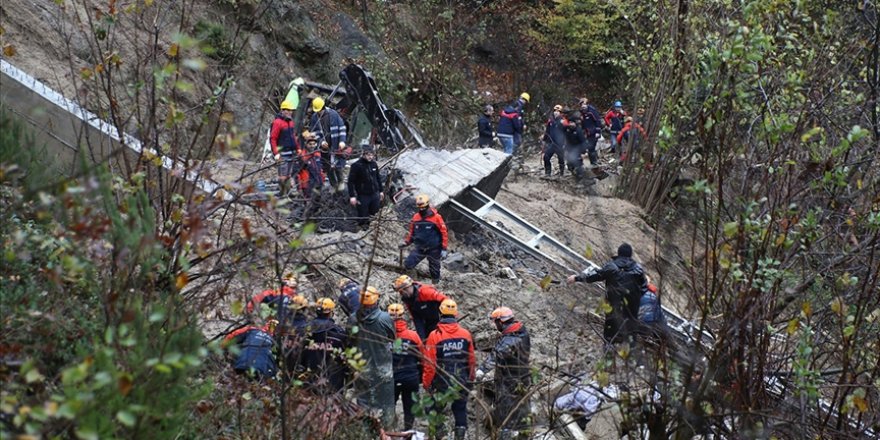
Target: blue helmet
<point>618,104</point>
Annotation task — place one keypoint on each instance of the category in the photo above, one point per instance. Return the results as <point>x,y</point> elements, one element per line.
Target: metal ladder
<point>528,237</point>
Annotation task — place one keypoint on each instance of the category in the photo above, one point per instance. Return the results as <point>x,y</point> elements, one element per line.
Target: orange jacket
<point>451,349</point>
<point>269,296</point>
<point>429,231</point>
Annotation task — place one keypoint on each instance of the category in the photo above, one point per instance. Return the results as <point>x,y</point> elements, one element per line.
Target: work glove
<point>277,157</point>
<point>341,145</point>
<point>353,201</point>
<point>443,254</point>
<point>403,244</point>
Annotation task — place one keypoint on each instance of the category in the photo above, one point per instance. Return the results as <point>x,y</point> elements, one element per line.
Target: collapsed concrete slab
<point>445,175</point>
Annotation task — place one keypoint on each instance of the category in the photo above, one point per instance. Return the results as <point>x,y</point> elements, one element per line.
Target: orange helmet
<point>325,306</point>
<point>422,201</point>
<point>448,307</point>
<point>369,296</point>
<point>502,314</point>
<point>299,302</point>
<point>396,310</point>
<point>402,282</point>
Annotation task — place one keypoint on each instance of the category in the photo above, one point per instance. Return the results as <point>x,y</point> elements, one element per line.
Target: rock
<point>296,31</point>
<point>455,261</point>
<point>506,272</point>
<point>354,43</point>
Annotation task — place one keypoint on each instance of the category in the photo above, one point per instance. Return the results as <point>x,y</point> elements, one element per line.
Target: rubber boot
<point>460,432</point>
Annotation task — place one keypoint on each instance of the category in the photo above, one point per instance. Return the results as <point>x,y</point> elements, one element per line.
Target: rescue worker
<point>450,363</point>
<point>330,129</point>
<point>311,173</point>
<point>510,360</point>
<point>365,185</point>
<point>554,141</point>
<point>624,283</point>
<point>324,365</point>
<point>374,386</point>
<point>592,125</point>
<point>255,344</point>
<point>614,121</point>
<point>274,297</point>
<point>519,107</point>
<point>297,332</point>
<point>427,231</point>
<point>575,145</point>
<point>349,297</point>
<point>423,302</point>
<point>630,137</point>
<point>407,357</point>
<point>509,124</point>
<point>485,132</point>
<point>282,138</point>
<point>653,322</point>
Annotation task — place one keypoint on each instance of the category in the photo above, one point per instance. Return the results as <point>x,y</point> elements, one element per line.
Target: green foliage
<point>586,33</point>
<point>108,349</point>
<point>215,42</point>
<point>427,404</point>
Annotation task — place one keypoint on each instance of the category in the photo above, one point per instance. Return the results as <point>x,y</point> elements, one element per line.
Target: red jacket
<point>451,349</point>
<point>614,119</point>
<point>269,296</point>
<point>428,232</point>
<point>628,127</point>
<point>231,336</point>
<point>283,136</point>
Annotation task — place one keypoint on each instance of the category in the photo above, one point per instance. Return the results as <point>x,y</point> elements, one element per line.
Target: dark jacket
<point>650,310</point>
<point>509,121</point>
<point>449,356</point>
<point>407,355</point>
<point>328,126</point>
<point>364,179</point>
<point>424,307</point>
<point>282,137</point>
<point>592,121</point>
<point>484,129</point>
<point>554,133</point>
<point>614,120</point>
<point>374,386</point>
<point>510,359</point>
<point>322,354</point>
<point>255,351</point>
<point>428,230</point>
<point>350,299</point>
<point>624,283</point>
<point>574,135</point>
<point>297,332</point>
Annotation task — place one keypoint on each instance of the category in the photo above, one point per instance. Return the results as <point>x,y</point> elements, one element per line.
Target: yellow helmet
<point>448,307</point>
<point>396,310</point>
<point>402,282</point>
<point>525,96</point>
<point>289,279</point>
<point>325,306</point>
<point>422,201</point>
<point>369,296</point>
<point>317,104</point>
<point>286,105</point>
<point>502,314</point>
<point>299,302</point>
